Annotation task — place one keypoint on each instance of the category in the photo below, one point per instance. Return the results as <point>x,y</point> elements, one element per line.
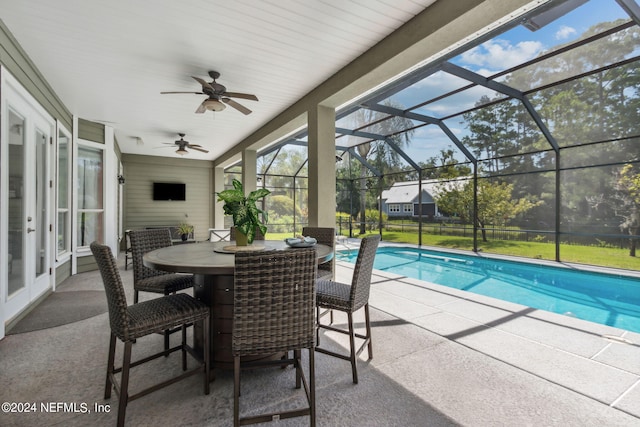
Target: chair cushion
<point>333,295</point>
<point>162,313</point>
<point>165,283</point>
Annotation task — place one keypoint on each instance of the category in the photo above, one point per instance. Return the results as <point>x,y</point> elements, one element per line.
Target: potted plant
<point>184,230</point>
<point>243,210</point>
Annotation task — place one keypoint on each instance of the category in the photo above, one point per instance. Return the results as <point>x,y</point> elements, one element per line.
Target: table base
<point>217,292</point>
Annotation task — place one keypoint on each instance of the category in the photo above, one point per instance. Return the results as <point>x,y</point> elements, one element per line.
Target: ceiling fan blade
<point>198,149</point>
<point>192,93</point>
<point>201,108</point>
<point>204,84</point>
<point>234,104</point>
<point>241,95</point>
<point>194,145</point>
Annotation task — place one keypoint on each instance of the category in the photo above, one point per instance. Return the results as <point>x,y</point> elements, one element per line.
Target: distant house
<point>401,200</point>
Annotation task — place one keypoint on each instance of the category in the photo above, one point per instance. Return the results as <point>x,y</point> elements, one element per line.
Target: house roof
<point>406,192</point>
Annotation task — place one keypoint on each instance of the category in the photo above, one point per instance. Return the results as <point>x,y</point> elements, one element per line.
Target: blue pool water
<point>603,298</point>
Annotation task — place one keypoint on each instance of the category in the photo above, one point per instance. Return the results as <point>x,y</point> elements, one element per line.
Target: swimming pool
<point>603,298</point>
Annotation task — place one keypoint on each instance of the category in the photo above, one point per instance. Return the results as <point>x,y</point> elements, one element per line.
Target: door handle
<point>29,230</point>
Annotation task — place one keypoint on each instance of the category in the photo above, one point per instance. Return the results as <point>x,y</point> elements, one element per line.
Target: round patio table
<point>213,269</point>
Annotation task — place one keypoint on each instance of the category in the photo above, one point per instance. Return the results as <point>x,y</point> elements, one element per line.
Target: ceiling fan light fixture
<point>181,151</point>
<point>214,105</point>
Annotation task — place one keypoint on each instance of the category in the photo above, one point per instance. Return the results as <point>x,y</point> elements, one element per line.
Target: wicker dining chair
<point>149,280</point>
<point>274,302</point>
<point>350,298</point>
<point>129,323</point>
<point>324,236</point>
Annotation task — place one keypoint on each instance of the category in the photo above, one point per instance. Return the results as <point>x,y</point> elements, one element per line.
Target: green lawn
<point>607,257</point>
<point>590,255</point>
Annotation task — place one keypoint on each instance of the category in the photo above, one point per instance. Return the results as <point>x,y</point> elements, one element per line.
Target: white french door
<point>26,136</point>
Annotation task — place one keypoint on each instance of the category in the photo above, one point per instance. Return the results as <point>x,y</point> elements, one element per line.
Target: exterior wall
<point>16,61</point>
<point>95,132</point>
<point>142,211</point>
<point>91,131</point>
<point>63,271</point>
<point>391,214</point>
<point>428,207</point>
<point>86,263</point>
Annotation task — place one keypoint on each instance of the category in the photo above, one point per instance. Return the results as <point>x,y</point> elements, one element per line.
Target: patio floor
<point>442,357</point>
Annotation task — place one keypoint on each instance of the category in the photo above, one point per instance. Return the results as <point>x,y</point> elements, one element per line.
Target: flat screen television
<point>169,191</point>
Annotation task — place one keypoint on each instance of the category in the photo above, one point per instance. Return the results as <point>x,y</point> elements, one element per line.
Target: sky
<point>500,53</point>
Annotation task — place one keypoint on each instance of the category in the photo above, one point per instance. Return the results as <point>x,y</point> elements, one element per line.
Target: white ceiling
<point>108,61</point>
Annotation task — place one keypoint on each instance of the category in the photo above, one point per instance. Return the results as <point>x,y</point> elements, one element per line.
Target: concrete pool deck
<point>577,358</point>
<point>442,357</point>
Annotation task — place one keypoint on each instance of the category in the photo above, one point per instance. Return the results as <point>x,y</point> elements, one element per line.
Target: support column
<point>218,186</point>
<point>249,171</point>
<point>322,166</point>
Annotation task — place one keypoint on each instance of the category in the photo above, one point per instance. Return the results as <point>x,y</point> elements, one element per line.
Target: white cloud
<point>457,102</point>
<point>442,81</point>
<point>565,32</point>
<point>500,54</point>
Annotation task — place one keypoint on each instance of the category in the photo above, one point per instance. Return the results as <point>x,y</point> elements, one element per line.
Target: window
<point>407,208</point>
<point>63,225</point>
<point>90,196</point>
<point>394,207</point>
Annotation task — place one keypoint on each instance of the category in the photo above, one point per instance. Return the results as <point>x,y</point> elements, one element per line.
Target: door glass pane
<point>89,228</point>
<point>41,226</point>
<point>90,178</point>
<point>63,192</point>
<point>63,230</point>
<point>16,203</point>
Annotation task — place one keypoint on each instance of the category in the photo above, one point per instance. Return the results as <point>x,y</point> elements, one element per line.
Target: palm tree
<point>397,129</point>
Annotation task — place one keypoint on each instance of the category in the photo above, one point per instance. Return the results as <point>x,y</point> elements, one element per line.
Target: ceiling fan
<point>217,96</point>
<point>183,145</point>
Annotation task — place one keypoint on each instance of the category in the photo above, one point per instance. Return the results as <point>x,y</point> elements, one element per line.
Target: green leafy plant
<point>184,228</point>
<point>243,209</point>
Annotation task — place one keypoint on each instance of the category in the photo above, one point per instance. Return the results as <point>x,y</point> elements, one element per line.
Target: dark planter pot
<point>184,237</point>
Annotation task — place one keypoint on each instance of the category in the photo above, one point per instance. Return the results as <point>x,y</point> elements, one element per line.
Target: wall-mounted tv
<point>169,191</point>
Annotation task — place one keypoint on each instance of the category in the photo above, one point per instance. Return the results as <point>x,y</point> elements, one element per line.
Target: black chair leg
<point>167,336</point>
<point>124,384</point>
<point>352,344</point>
<point>368,326</point>
<point>312,387</point>
<point>111,360</point>
<point>184,346</point>
<point>207,365</point>
<point>236,391</point>
<point>297,355</point>
<point>317,325</point>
